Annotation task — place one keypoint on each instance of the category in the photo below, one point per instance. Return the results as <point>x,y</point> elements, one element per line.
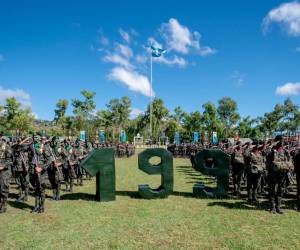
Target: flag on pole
<point>196,137</point>
<point>82,135</point>
<point>157,52</point>
<point>214,138</point>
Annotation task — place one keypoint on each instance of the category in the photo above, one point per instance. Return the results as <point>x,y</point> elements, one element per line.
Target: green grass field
<point>179,222</point>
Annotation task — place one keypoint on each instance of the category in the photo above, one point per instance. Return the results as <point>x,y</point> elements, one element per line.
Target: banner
<point>196,137</point>
<point>177,138</point>
<point>214,138</point>
<point>82,135</point>
<point>102,136</point>
<point>123,136</point>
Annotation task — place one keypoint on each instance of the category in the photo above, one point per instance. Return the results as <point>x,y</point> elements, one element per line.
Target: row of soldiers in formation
<point>262,165</point>
<point>39,161</point>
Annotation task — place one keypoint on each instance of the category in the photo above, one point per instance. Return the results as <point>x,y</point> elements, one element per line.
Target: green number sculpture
<point>101,163</point>
<point>219,168</point>
<point>164,168</point>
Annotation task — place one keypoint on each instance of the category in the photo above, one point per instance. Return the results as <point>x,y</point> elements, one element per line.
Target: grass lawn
<point>179,222</point>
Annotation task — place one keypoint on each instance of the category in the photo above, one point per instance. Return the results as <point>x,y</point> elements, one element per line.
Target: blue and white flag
<point>196,137</point>
<point>102,136</point>
<point>82,135</point>
<point>123,136</point>
<point>157,52</point>
<point>214,138</point>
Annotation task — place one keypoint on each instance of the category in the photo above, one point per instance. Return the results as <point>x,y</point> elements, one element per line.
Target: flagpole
<point>150,95</point>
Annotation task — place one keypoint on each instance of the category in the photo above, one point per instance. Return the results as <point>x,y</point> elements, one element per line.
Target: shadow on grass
<point>78,196</point>
<point>131,194</point>
<point>20,205</point>
<point>264,205</point>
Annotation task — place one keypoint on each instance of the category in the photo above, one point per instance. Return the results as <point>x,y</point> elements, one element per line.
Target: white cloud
<point>2,58</point>
<point>133,80</point>
<point>22,96</point>
<point>117,59</point>
<point>181,39</point>
<point>125,35</point>
<point>104,40</point>
<point>153,42</point>
<point>288,89</point>
<point>287,15</point>
<point>174,61</point>
<point>135,112</point>
<point>238,78</point>
<point>141,59</point>
<point>206,51</point>
<point>124,50</point>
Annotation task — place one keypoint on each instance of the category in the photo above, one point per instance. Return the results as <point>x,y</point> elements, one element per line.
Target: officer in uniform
<point>5,171</point>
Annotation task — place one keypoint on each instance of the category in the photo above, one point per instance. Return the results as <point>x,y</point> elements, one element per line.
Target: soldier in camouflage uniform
<point>238,168</point>
<point>254,169</point>
<point>297,171</point>
<point>278,164</point>
<point>5,172</point>
<point>54,170</point>
<point>20,166</point>
<point>40,161</point>
<point>70,174</point>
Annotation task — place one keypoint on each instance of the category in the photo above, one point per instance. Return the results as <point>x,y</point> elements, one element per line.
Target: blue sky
<point>248,50</point>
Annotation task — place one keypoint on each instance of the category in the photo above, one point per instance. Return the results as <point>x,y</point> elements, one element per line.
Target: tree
<point>61,108</point>
<point>83,110</point>
<point>271,121</point>
<point>291,121</point>
<point>228,115</point>
<point>118,112</point>
<point>210,119</point>
<point>178,115</point>
<point>16,118</point>
<point>192,123</point>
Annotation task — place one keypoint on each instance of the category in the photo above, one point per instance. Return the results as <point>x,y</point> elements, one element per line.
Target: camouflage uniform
<point>20,166</point>
<point>70,174</point>
<point>54,173</point>
<point>40,161</point>
<point>277,163</point>
<point>254,169</point>
<point>297,171</point>
<point>238,168</point>
<point>5,172</point>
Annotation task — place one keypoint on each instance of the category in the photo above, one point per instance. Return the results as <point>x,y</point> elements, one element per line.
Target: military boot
<point>54,194</point>
<point>249,196</point>
<point>58,193</point>
<point>26,194</point>
<point>278,206</point>
<point>21,197</point>
<point>3,205</point>
<point>254,197</point>
<point>37,205</point>
<point>42,204</point>
<point>273,206</point>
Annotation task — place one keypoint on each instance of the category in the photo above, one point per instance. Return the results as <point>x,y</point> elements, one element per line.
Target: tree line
<point>222,118</point>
